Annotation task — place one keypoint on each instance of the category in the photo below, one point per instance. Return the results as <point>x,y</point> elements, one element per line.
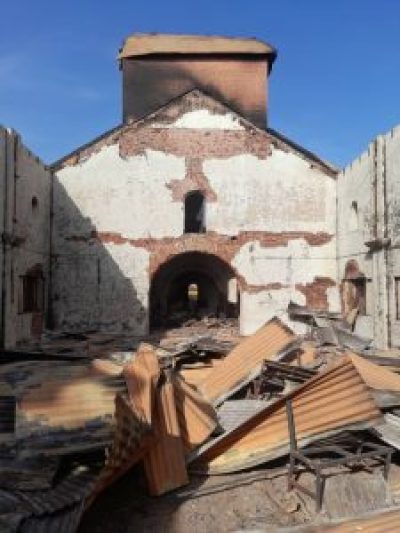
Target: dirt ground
<point>223,503</point>
<point>247,501</point>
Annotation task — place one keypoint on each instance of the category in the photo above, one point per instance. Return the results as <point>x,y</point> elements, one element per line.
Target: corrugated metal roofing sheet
<point>141,44</point>
<point>375,376</point>
<point>164,463</point>
<point>59,508</point>
<point>61,406</point>
<point>132,438</point>
<point>142,376</point>
<point>196,374</point>
<point>240,363</point>
<point>197,418</point>
<point>331,401</point>
<point>65,521</point>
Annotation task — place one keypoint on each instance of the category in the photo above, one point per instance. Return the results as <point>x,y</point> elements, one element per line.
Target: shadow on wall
<point>93,284</point>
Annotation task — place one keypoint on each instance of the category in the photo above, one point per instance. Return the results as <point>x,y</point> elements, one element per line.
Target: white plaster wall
<point>125,196</point>
<point>106,286</point>
<point>102,286</point>
<point>355,185</point>
<point>258,308</point>
<point>26,232</point>
<point>33,226</point>
<point>132,198</point>
<point>203,119</point>
<point>280,193</point>
<point>298,262</point>
<point>392,173</point>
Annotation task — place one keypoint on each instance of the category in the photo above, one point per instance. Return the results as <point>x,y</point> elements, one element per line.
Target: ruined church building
<point>195,189</point>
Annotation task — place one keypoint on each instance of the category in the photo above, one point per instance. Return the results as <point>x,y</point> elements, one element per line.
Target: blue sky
<point>334,86</point>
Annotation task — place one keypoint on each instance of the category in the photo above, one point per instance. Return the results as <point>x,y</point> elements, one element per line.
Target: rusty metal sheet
<point>164,463</point>
<point>30,474</point>
<point>239,365</point>
<point>197,418</point>
<point>141,44</point>
<point>376,376</point>
<point>60,407</point>
<point>57,509</point>
<point>332,401</point>
<point>132,439</point>
<point>197,373</point>
<point>142,376</point>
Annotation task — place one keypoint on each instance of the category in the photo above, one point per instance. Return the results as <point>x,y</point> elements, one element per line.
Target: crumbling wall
<point>26,190</point>
<point>370,240</point>
<point>392,231</point>
<point>270,214</point>
<point>355,227</point>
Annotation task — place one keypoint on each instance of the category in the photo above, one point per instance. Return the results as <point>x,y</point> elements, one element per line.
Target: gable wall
<point>118,216</point>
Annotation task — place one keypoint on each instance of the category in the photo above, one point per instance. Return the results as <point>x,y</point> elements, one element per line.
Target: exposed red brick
<point>222,246</point>
<point>269,239</point>
<point>316,292</point>
<point>266,239</point>
<point>352,270</point>
<point>134,138</point>
<point>204,144</point>
<point>254,289</point>
<point>194,180</point>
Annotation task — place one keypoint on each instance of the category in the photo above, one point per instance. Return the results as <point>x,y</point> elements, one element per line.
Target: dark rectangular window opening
<point>360,285</point>
<point>32,297</point>
<point>397,296</point>
<point>8,411</point>
<point>195,212</point>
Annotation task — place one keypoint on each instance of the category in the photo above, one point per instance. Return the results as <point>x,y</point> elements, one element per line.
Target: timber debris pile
<point>70,428</point>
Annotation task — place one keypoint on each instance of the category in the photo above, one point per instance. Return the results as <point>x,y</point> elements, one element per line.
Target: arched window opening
<point>195,207</point>
<point>354,223</point>
<point>193,285</point>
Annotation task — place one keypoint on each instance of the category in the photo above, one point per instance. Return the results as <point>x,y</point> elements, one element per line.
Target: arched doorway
<point>192,284</point>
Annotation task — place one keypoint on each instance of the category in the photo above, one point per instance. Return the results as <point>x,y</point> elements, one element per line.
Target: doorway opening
<point>193,285</point>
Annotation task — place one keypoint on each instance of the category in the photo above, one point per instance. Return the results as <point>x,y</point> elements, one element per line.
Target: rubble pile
<point>70,428</point>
